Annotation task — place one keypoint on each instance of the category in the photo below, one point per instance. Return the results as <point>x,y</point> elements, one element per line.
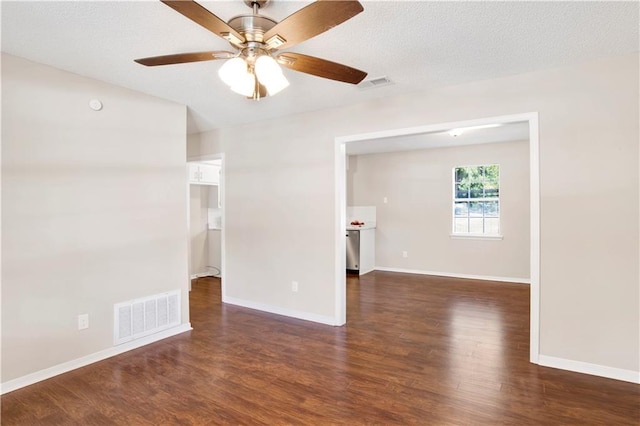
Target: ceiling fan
<point>253,70</point>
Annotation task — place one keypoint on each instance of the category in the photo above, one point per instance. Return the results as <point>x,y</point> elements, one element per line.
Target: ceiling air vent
<point>375,82</point>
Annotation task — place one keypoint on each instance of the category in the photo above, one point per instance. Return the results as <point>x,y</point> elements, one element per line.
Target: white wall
<point>193,145</point>
<point>417,216</point>
<point>280,200</point>
<point>93,211</point>
<point>214,242</point>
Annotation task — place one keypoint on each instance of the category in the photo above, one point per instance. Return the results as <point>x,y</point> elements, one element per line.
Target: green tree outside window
<point>476,204</point>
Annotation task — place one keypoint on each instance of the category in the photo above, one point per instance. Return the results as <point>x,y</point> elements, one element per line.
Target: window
<point>476,202</point>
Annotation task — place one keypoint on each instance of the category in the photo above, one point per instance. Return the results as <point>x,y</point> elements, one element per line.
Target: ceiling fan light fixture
<point>245,84</point>
<point>277,84</point>
<point>267,68</point>
<point>232,71</point>
<point>270,74</point>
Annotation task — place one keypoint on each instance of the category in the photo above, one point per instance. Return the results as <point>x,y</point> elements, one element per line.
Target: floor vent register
<point>141,317</point>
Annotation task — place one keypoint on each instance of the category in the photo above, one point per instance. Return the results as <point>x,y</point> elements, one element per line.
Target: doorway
<point>205,212</point>
<point>343,142</point>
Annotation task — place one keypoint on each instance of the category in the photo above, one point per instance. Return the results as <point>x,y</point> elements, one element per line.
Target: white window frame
<point>470,235</point>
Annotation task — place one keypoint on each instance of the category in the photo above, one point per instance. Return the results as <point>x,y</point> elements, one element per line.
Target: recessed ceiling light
<point>458,132</point>
<point>484,126</point>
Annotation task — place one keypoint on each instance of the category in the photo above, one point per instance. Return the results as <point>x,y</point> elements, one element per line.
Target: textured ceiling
<point>418,45</point>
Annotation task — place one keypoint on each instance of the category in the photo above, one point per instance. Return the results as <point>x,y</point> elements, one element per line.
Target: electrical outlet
<point>83,321</point>
<point>294,286</point>
<point>405,254</point>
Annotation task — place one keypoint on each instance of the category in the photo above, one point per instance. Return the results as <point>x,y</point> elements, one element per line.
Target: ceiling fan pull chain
<point>256,87</point>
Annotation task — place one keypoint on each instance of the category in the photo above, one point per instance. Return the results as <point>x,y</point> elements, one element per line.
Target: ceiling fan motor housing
<point>252,27</point>
<point>252,52</point>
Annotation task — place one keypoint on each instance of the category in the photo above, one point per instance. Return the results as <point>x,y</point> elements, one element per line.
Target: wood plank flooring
<point>416,350</point>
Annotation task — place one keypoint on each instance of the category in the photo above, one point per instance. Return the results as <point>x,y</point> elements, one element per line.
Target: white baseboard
<point>592,369</point>
<point>307,316</point>
<point>65,367</point>
<point>455,275</point>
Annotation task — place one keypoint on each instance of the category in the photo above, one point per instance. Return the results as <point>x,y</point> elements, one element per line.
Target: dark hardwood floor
<point>415,350</point>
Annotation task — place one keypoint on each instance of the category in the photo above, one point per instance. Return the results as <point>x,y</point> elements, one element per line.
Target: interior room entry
<point>382,140</point>
<point>205,218</point>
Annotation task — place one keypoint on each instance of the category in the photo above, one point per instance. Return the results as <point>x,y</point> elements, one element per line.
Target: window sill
<point>475,237</point>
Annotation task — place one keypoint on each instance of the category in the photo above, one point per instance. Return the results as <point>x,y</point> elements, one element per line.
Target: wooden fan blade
<point>312,20</point>
<point>208,20</point>
<point>321,67</point>
<point>182,58</point>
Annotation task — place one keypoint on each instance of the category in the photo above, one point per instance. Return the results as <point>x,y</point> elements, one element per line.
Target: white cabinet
<point>204,174</point>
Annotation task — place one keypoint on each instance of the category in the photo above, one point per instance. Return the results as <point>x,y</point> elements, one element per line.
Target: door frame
<point>340,309</point>
<point>221,192</point>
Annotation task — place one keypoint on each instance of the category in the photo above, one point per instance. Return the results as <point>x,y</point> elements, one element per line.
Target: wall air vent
<point>142,317</point>
<point>375,82</point>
